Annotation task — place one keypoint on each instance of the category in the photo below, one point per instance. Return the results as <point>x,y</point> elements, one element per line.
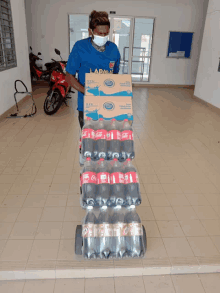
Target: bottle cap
<point>89,208</point>
<point>88,159</point>
<point>128,160</point>
<point>104,207</point>
<point>113,119</point>
<point>100,119</point>
<point>101,159</point>
<point>89,118</point>
<point>126,120</point>
<point>115,159</point>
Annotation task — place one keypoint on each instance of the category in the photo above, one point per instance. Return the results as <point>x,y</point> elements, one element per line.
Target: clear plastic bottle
<point>101,140</point>
<point>103,183</point>
<point>89,249</point>
<point>134,238</point>
<point>88,139</point>
<point>114,140</point>
<point>127,141</point>
<point>119,233</point>
<point>88,184</point>
<point>117,194</point>
<point>132,187</point>
<point>104,239</point>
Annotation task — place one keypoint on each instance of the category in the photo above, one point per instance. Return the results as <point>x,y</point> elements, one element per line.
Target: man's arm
<point>73,82</point>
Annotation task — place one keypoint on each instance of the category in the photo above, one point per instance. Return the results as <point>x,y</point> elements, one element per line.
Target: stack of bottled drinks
<point>110,192</point>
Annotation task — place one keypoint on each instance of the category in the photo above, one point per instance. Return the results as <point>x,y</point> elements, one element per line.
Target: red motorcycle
<point>36,71</point>
<point>59,88</point>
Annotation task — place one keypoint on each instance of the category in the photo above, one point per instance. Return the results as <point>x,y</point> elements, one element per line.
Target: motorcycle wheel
<point>55,101</point>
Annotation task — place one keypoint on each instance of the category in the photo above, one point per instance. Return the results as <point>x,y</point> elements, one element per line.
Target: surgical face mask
<point>100,41</point>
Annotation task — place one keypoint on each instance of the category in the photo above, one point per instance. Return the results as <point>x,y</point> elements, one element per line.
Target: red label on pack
<point>117,177</point>
<point>135,229</point>
<point>88,177</point>
<point>120,229</point>
<point>103,178</point>
<point>114,135</point>
<point>88,230</point>
<point>105,230</point>
<point>131,177</point>
<point>101,134</point>
<point>127,135</point>
<point>88,133</point>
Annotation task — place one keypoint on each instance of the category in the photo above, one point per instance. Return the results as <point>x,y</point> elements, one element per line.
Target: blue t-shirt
<point>84,58</point>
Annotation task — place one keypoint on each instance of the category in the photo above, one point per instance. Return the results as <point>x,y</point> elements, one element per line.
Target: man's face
<point>101,30</point>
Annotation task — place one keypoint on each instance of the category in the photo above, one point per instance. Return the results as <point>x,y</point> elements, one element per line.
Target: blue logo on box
<point>109,83</point>
<point>109,106</point>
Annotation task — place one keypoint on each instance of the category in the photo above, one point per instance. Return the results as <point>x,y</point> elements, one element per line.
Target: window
<point>7,44</point>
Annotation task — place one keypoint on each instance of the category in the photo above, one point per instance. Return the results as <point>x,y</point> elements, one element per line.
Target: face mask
<point>100,41</point>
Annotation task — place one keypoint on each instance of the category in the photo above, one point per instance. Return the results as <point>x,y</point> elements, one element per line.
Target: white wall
<point>208,78</point>
<point>22,71</point>
<point>48,28</point>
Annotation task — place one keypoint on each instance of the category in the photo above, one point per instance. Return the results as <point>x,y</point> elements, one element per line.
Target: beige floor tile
<point>193,228</point>
<point>127,284</point>
<point>68,285</point>
<point>16,250</point>
<point>216,241</point>
<point>210,282</point>
<point>35,201</point>
<point>9,214</point>
<point>171,188</point>
<point>2,245</point>
<point>13,201</point>
<point>56,200</point>
<point>4,188</point>
<point>59,188</point>
<point>39,188</point>
<point>30,215</point>
<point>19,189</point>
<point>44,250</point>
<point>24,230</point>
<point>43,178</point>
<point>74,188</point>
<point>188,187</point>
<point>74,214</point>
<point>153,188</point>
<point>185,213</point>
<point>144,200</point>
<point>212,227</point>
<point>149,179</point>
<point>69,229</point>
<point>147,170</point>
<point>24,179</point>
<point>187,283</point>
<point>177,247</point>
<point>208,188</point>
<point>217,210</point>
<point>177,199</point>
<point>164,214</point>
<point>29,170</point>
<point>7,178</point>
<point>202,246</point>
<point>62,179</point>
<point>53,214</point>
<point>197,199</point>
<point>12,286</point>
<point>36,286</point>
<point>145,213</point>
<point>213,199</point>
<point>73,200</point>
<point>66,249</point>
<point>170,229</point>
<point>205,212</point>
<point>151,228</point>
<point>158,200</point>
<point>166,178</point>
<point>49,230</point>
<point>5,230</point>
<point>158,284</point>
<point>155,248</point>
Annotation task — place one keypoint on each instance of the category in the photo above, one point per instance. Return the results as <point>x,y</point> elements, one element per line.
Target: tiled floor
<point>178,160</point>
<point>203,283</point>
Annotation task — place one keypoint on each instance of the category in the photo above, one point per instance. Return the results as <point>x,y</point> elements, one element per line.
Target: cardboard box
<point>108,85</point>
<point>102,99</point>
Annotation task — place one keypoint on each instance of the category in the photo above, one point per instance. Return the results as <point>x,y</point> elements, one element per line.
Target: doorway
<point>133,37</point>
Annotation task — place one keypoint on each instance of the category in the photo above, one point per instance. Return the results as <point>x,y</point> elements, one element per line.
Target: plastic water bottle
<point>89,234</point>
<point>114,140</point>
<point>88,183</point>
<point>132,187</point>
<point>103,183</point>
<point>134,238</point>
<point>101,141</point>
<point>119,233</point>
<point>88,139</point>
<point>117,194</point>
<point>127,141</point>
<point>104,239</point>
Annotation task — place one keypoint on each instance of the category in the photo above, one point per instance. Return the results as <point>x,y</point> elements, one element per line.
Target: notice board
<point>180,44</point>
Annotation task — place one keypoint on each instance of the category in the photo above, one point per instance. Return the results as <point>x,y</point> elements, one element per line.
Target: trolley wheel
<point>78,240</point>
<point>144,238</point>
